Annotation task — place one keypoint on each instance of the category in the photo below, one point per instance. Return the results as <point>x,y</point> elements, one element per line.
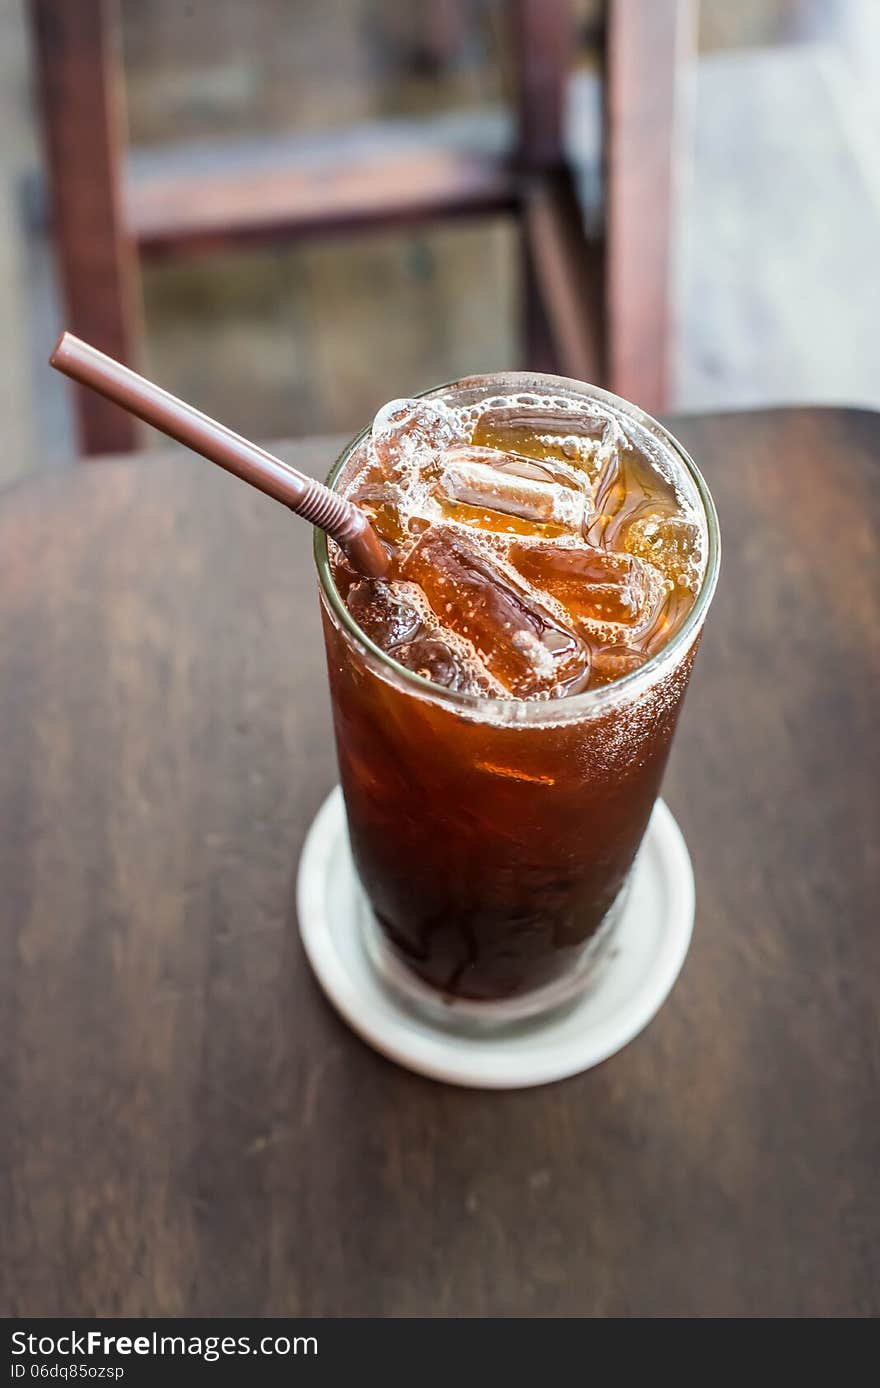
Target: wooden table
<point>187,1127</point>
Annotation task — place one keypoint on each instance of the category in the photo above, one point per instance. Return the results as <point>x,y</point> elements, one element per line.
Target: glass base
<point>622,979</point>
<point>470,1017</point>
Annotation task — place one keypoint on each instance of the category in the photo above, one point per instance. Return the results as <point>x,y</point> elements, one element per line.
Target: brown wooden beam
<point>182,210</point>
<point>568,275</point>
<point>538,349</point>
<point>649,44</point>
<point>542,33</point>
<point>77,76</point>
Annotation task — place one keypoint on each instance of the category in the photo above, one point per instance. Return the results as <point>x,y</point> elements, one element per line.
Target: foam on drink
<point>540,546</point>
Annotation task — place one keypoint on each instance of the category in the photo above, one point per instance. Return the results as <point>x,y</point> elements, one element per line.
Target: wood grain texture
<point>187,1127</point>
<point>78,81</point>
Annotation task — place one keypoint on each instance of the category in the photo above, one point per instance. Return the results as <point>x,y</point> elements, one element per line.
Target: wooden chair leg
<point>78,76</point>
<point>648,43</point>
<point>562,287</point>
<point>445,29</point>
<point>542,33</point>
<point>567,270</point>
<point>535,333</point>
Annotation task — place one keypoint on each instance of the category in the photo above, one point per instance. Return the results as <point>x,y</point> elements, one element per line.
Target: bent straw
<point>340,518</point>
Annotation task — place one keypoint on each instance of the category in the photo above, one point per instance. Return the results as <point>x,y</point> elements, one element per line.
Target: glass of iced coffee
<point>504,700</point>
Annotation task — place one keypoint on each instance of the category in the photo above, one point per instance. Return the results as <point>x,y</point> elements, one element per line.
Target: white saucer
<point>636,974</point>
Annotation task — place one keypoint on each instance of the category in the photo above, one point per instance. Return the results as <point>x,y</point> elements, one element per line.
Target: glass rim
<point>575,706</point>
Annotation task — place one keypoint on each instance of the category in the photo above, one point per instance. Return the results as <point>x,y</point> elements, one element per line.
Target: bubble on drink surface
<point>671,543</point>
<point>505,483</point>
<point>549,428</point>
<point>537,654</point>
<point>613,662</point>
<point>407,433</point>
<point>398,618</point>
<point>435,660</point>
<point>388,615</point>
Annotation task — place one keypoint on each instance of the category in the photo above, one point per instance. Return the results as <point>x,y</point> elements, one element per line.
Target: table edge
<point>336,442</point>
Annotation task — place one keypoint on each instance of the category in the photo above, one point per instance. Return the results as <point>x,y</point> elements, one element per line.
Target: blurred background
<point>738,140</point>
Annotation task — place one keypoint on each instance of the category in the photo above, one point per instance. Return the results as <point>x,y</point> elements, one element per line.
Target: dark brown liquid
<point>532,559</point>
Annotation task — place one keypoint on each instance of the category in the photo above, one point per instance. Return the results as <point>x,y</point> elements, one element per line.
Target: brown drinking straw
<point>342,520</point>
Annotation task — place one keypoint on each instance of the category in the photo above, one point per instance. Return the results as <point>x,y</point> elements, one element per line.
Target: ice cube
<point>589,583</point>
<point>541,432</point>
<point>408,432</point>
<point>670,543</point>
<point>628,487</point>
<point>667,619</point>
<point>613,662</point>
<point>496,481</point>
<point>523,645</point>
<point>382,611</point>
<point>381,501</point>
<point>436,661</point>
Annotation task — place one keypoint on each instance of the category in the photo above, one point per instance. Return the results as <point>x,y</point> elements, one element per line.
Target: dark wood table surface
<point>185,1125</point>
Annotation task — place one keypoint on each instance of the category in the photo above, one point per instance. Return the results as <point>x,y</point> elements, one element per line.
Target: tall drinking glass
<point>495,838</point>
